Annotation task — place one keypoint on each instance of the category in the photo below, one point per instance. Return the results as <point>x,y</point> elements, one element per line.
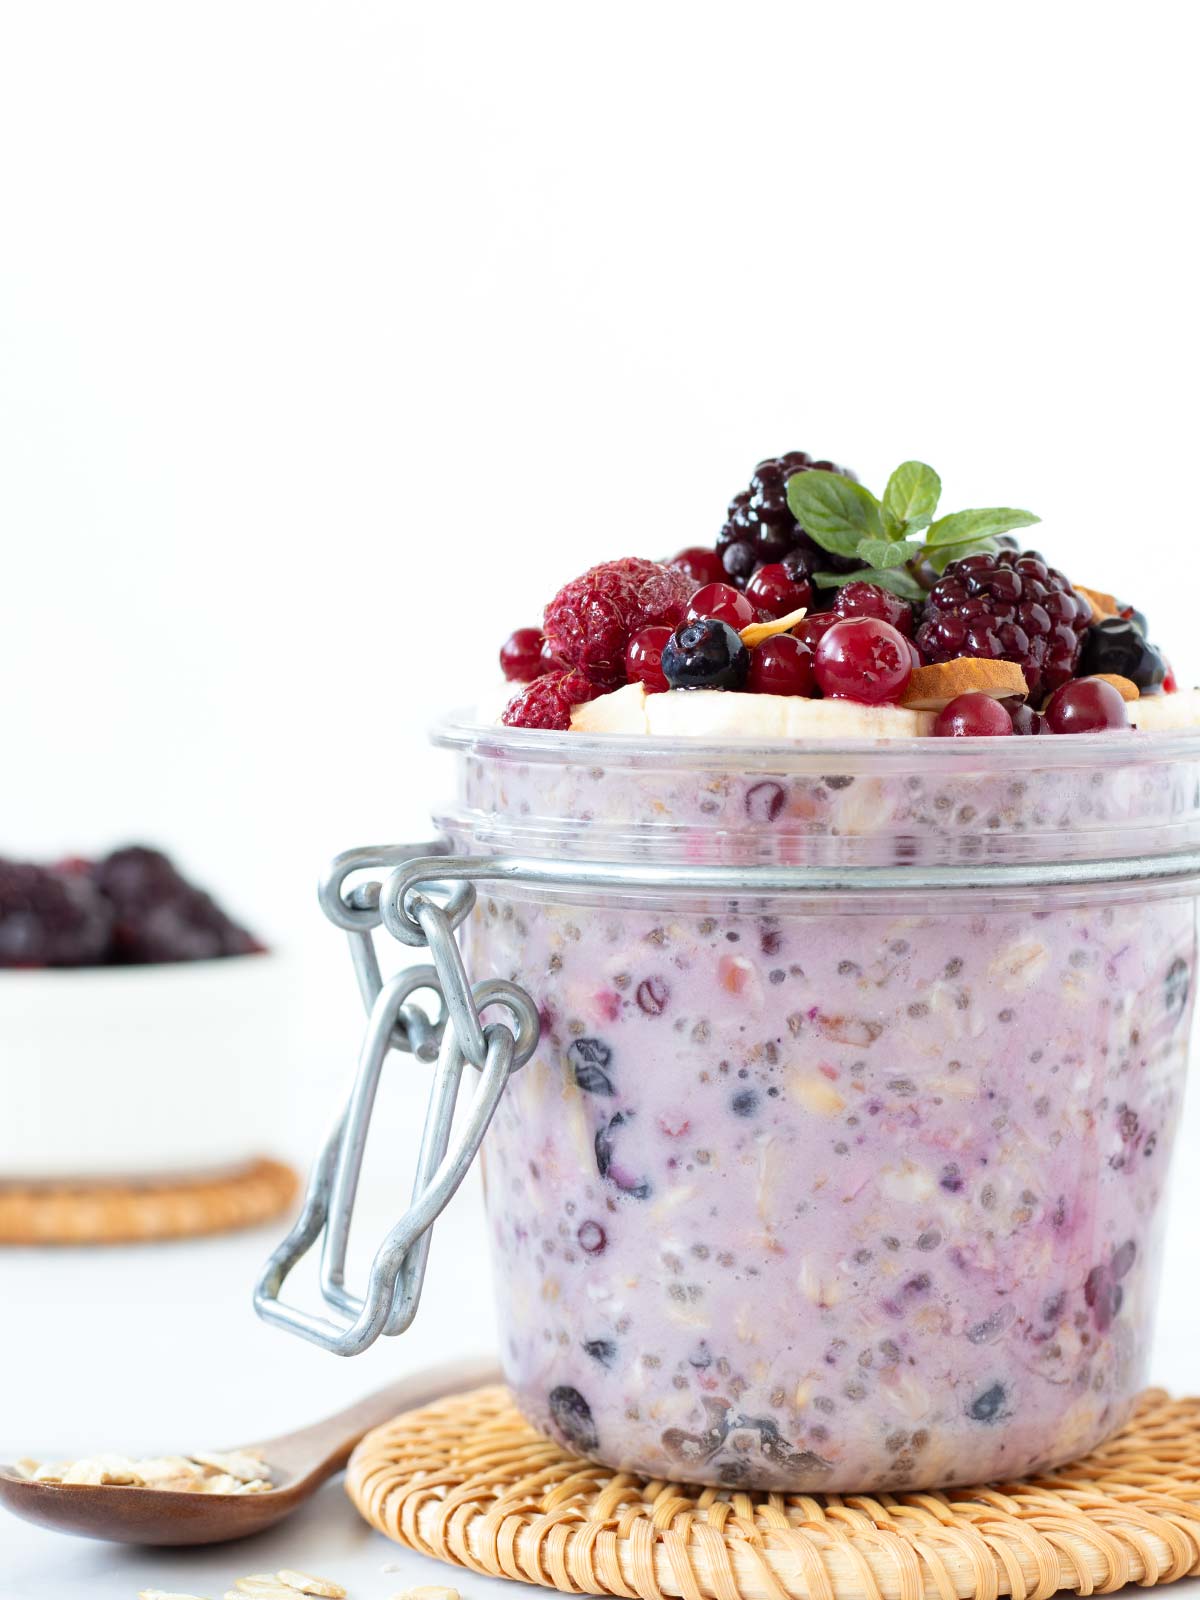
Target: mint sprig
<point>895,535</point>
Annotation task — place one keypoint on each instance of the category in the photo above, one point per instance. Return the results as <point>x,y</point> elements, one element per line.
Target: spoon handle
<point>324,1447</point>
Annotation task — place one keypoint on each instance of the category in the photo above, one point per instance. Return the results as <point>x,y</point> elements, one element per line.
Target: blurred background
<point>334,337</point>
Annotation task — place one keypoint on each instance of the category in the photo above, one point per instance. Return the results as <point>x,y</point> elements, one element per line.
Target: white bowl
<point>140,1071</point>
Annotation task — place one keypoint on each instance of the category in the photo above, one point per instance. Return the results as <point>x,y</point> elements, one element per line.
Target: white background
<point>333,337</point>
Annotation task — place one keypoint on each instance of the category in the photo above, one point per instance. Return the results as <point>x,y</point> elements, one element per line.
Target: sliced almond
<point>1103,605</point>
<point>1126,689</point>
<point>305,1583</point>
<point>755,632</point>
<point>931,688</point>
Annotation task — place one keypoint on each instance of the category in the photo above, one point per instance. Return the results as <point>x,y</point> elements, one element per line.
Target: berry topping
<point>973,716</point>
<point>1117,645</point>
<point>547,701</point>
<point>700,564</point>
<point>705,654</point>
<point>51,919</point>
<point>160,916</point>
<point>869,600</point>
<point>1025,721</point>
<point>589,621</point>
<point>1007,607</point>
<point>861,658</point>
<point>722,601</point>
<point>521,658</point>
<point>774,590</point>
<point>812,629</point>
<point>1088,705</point>
<point>782,665</point>
<point>643,658</point>
<point>573,1418</point>
<point>761,528</point>
<point>1170,682</point>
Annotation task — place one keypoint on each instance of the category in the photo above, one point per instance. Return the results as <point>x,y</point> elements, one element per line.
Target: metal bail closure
<point>396,1024</point>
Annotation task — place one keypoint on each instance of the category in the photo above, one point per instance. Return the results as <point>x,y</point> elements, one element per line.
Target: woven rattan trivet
<point>165,1208</point>
<point>469,1481</point>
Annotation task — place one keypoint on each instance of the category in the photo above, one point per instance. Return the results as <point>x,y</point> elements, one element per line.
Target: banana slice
<point>717,714</point>
<point>622,711</point>
<point>1160,713</point>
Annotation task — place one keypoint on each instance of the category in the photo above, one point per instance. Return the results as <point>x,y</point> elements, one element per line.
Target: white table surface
<point>156,1349</point>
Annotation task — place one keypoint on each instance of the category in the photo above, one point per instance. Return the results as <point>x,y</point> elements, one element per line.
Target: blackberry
<point>761,529</point>
<point>160,916</point>
<point>51,919</point>
<point>1007,607</point>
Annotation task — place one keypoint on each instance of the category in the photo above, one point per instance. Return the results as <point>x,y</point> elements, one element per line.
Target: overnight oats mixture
<point>832,1190</point>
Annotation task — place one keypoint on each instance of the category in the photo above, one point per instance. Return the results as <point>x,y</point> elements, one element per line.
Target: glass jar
<point>842,1159</point>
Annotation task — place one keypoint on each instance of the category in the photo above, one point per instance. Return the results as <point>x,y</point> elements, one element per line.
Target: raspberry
<point>160,916</point>
<point>51,919</point>
<point>1007,607</point>
<point>589,621</point>
<point>547,701</point>
<point>761,529</point>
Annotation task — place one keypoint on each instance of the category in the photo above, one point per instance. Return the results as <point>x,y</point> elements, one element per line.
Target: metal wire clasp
<point>419,910</point>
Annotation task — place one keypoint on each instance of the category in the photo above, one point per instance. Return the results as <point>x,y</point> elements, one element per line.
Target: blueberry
<point>705,654</point>
<point>1116,644</point>
<point>744,1103</point>
<point>988,1406</point>
<point>588,1058</point>
<point>573,1418</point>
<point>1177,985</point>
<point>605,1151</point>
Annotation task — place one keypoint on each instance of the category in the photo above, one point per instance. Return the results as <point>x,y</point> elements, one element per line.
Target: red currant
<point>723,603</point>
<point>781,665</point>
<point>1170,683</point>
<point>1025,721</point>
<point>776,592</point>
<point>813,628</point>
<point>869,600</point>
<point>861,658</point>
<point>521,658</point>
<point>643,658</point>
<point>1085,705</point>
<point>699,564</point>
<point>973,716</point>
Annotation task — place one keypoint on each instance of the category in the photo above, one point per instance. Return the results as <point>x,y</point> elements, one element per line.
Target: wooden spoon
<point>299,1463</point>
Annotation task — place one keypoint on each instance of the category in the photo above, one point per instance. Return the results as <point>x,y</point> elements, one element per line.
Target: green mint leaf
<point>833,511</point>
<point>965,527</point>
<point>888,552</point>
<point>910,499</point>
<point>898,579</point>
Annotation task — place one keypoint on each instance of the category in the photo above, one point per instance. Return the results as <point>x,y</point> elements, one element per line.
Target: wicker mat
<point>469,1481</point>
<point>164,1208</point>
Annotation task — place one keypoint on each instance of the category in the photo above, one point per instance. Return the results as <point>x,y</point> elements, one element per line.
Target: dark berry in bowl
<point>773,590</point>
<point>705,653</point>
<point>861,658</point>
<point>51,918</point>
<point>1117,645</point>
<point>760,528</point>
<point>159,916</point>
<point>1088,705</point>
<point>700,564</point>
<point>521,656</point>
<point>725,603</point>
<point>869,600</point>
<point>643,658</point>
<point>782,665</point>
<point>973,716</point>
<point>589,621</point>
